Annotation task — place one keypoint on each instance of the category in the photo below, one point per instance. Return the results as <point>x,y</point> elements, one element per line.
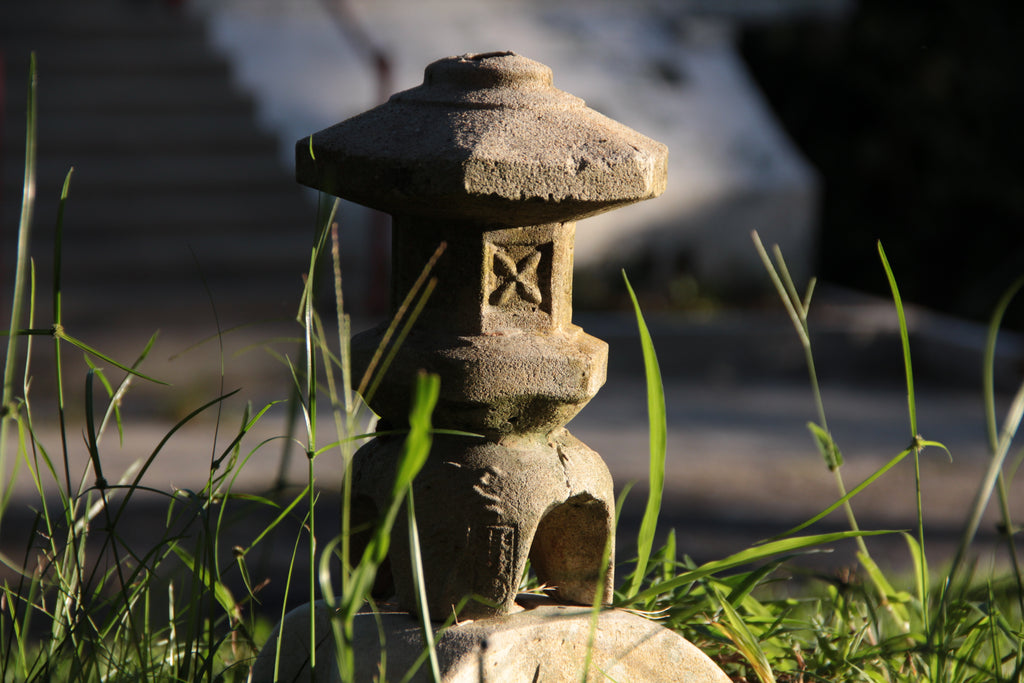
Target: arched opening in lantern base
<point>569,546</point>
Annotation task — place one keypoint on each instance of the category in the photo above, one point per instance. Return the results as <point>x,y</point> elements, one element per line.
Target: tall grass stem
<point>8,409</point>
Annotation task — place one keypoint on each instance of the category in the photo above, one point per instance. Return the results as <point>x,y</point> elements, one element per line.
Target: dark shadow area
<point>911,112</point>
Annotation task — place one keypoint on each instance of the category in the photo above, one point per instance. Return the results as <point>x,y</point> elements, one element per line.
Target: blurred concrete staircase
<point>174,183</point>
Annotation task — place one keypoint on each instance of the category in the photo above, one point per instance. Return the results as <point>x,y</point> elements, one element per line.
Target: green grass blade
<point>24,234</point>
<point>345,424</point>
<point>306,316</point>
<point>425,396</point>
<point>58,249</point>
<point>8,408</point>
<point>343,321</point>
<point>91,441</point>
<point>827,447</point>
<point>921,576</point>
<point>377,366</point>
<point>736,630</point>
<point>988,362</point>
<point>246,427</point>
<point>668,556</point>
<point>658,427</point>
<point>747,556</point>
<point>117,396</point>
<point>284,514</point>
<point>845,499</point>
<point>787,280</point>
<point>796,317</point>
<point>82,346</point>
<point>323,229</point>
<point>904,340</point>
<point>988,386</point>
<point>889,593</point>
<point>798,313</point>
<point>221,593</point>
<point>988,482</point>
<point>414,455</point>
<point>137,480</point>
<point>419,585</point>
<point>598,602</point>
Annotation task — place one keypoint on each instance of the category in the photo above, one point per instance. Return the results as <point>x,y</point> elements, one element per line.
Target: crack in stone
<point>563,460</point>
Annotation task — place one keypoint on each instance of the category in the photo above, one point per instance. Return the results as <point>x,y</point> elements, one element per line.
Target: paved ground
<point>741,463</point>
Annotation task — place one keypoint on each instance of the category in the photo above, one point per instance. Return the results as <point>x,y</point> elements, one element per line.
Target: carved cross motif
<point>516,277</point>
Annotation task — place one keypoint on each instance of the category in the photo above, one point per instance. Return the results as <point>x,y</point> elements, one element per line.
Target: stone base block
<point>544,641</point>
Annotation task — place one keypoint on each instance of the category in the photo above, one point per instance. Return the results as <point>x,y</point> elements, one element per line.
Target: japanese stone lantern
<point>491,159</point>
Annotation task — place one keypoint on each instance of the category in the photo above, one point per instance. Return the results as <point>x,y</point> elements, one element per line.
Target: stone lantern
<point>487,157</point>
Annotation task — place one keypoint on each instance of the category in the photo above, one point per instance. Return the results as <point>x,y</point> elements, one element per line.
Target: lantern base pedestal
<point>545,641</point>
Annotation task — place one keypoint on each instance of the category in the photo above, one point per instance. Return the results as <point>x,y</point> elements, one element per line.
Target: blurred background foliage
<point>913,114</point>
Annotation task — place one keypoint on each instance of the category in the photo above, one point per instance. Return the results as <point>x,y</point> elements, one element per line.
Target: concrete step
<point>87,55</point>
<point>130,93</point>
<point>176,254</point>
<point>180,212</point>
<point>145,306</point>
<point>175,184</point>
<point>99,19</point>
<point>117,173</point>
<point>102,133</point>
<point>152,279</point>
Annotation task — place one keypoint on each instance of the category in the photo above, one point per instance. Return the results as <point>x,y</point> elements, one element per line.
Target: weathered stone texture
<point>485,137</point>
<point>545,642</point>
